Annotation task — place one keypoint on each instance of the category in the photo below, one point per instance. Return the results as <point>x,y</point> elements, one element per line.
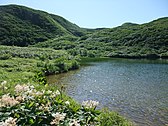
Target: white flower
<point>38,93</point>
<point>74,123</point>
<point>21,88</point>
<point>6,100</point>
<point>67,103</point>
<point>1,105</point>
<point>9,122</point>
<point>90,104</point>
<point>4,83</point>
<point>30,92</point>
<point>57,118</point>
<point>43,91</point>
<point>57,92</point>
<point>5,88</point>
<point>31,87</point>
<point>2,123</point>
<point>20,98</point>
<point>48,92</point>
<point>45,107</point>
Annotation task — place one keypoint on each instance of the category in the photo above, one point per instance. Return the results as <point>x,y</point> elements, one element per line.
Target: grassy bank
<point>23,64</point>
<point>26,100</point>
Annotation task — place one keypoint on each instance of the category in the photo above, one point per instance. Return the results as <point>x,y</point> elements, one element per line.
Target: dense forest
<point>22,26</point>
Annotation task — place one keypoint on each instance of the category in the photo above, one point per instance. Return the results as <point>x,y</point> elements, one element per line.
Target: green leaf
<point>16,115</point>
<point>31,104</point>
<point>31,121</point>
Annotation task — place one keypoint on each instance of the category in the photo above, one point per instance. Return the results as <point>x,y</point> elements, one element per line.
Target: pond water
<point>137,89</point>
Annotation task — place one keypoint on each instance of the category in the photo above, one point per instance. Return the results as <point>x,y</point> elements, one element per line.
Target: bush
<point>108,118</point>
<point>31,107</point>
<point>5,56</point>
<point>40,78</point>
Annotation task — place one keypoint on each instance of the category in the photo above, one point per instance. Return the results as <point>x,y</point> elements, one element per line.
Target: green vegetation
<point>23,64</point>
<point>49,44</point>
<point>26,99</point>
<point>31,107</point>
<point>126,41</point>
<point>22,26</point>
<point>107,118</point>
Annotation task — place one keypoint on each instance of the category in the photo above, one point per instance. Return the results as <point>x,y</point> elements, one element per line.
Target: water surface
<point>138,89</point>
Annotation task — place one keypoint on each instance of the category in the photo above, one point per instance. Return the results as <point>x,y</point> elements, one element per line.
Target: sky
<point>100,13</point>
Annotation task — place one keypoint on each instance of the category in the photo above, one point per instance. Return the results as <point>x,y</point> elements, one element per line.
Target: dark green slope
<point>129,40</point>
<point>134,35</point>
<point>24,26</point>
<point>72,28</point>
<point>132,40</point>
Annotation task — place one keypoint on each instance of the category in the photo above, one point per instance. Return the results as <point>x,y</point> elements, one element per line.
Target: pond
<point>137,89</point>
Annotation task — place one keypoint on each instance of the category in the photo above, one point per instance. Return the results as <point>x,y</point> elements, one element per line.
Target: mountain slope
<point>129,40</point>
<point>23,26</point>
<point>72,28</point>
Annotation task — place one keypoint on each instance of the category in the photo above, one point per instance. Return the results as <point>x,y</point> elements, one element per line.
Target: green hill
<point>129,40</point>
<point>22,26</point>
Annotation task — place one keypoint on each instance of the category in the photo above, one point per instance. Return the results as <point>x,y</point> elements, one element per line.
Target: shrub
<point>40,77</point>
<point>31,107</point>
<point>108,118</point>
<point>5,56</point>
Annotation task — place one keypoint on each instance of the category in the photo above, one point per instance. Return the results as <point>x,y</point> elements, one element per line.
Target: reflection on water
<point>137,89</point>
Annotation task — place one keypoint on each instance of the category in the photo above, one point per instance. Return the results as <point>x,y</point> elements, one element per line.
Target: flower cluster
<point>25,92</point>
<point>67,103</point>
<point>9,122</point>
<point>55,94</point>
<point>30,91</point>
<point>6,100</point>
<point>21,88</point>
<point>74,123</point>
<point>3,85</point>
<point>19,98</point>
<point>45,107</point>
<point>90,104</point>
<point>57,118</point>
<point>52,107</point>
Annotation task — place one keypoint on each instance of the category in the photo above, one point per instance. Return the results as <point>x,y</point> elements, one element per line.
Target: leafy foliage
<point>19,64</point>
<point>127,41</point>
<point>29,106</point>
<point>108,118</point>
<point>40,104</point>
<point>23,26</point>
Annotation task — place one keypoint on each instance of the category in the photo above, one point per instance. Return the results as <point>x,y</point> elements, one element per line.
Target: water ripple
<point>136,89</point>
